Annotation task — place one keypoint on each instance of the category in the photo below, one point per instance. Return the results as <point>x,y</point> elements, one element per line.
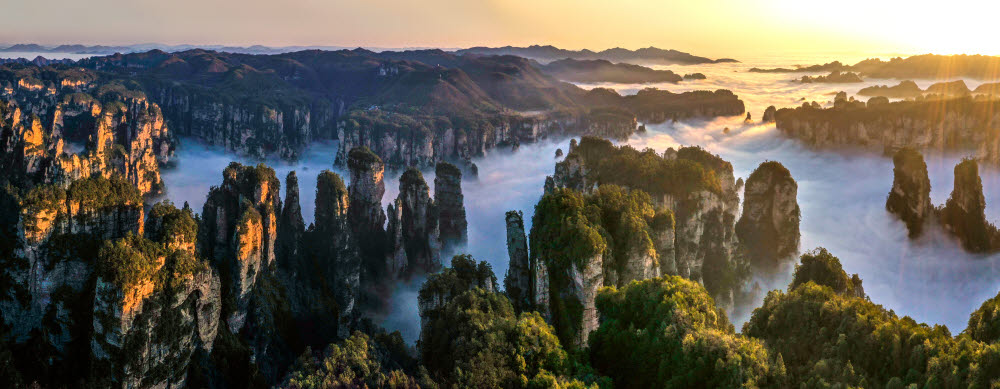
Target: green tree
<point>667,332</point>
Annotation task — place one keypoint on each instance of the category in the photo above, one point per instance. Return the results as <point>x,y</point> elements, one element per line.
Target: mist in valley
<point>841,194</point>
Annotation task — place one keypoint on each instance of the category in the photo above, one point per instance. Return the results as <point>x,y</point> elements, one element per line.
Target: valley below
<point>841,191</point>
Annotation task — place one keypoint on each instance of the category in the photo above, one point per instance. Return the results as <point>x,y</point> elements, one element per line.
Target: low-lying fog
<point>841,194</point>
<point>507,181</point>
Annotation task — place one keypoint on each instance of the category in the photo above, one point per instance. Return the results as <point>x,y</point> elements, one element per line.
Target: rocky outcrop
<point>835,77</point>
<point>367,218</point>
<point>155,303</point>
<point>598,70</point>
<point>365,194</point>
<point>413,229</point>
<point>463,275</point>
<point>951,124</point>
<point>964,214</point>
<point>877,101</point>
<point>450,206</point>
<point>701,225</point>
<point>685,229</point>
<point>769,225</point>
<point>768,116</point>
<point>98,281</point>
<point>657,106</point>
<point>44,128</point>
<point>586,278</point>
<point>331,269</point>
<point>58,233</point>
<point>910,196</point>
<point>252,128</point>
<point>291,227</point>
<point>405,140</point>
<point>239,224</point>
<point>401,140</point>
<point>903,90</point>
<point>951,88</point>
<point>518,283</point>
<point>909,89</point>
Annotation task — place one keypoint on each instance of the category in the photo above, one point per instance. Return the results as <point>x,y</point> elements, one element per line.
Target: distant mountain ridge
<point>542,53</point>
<point>926,66</point>
<point>144,47</point>
<point>552,53</point>
<point>599,70</point>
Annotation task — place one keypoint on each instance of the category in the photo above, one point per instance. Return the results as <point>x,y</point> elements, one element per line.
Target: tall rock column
<point>290,225</point>
<point>334,251</point>
<point>413,228</point>
<point>365,214</point>
<point>239,226</point>
<point>451,208</point>
<point>910,197</point>
<point>769,225</point>
<point>517,282</point>
<point>964,215</point>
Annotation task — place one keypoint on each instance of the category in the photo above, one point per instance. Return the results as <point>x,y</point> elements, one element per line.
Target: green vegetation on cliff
<point>359,361</point>
<point>471,336</point>
<point>667,332</point>
<point>464,274</point>
<point>828,335</point>
<point>478,341</point>
<point>693,170</point>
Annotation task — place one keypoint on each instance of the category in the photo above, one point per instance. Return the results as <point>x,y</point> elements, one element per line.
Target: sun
<point>914,27</point>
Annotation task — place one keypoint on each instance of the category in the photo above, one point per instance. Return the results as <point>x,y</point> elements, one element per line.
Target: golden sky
<point>715,28</point>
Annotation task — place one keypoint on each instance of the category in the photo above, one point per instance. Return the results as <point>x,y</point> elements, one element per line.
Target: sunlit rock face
<point>451,206</point>
<point>97,277</point>
<point>365,194</point>
<point>239,223</point>
<point>58,232</point>
<point>123,132</point>
<point>413,228</point>
<point>910,196</point>
<point>148,324</point>
<point>367,218</point>
<point>932,123</point>
<point>769,225</point>
<point>964,214</point>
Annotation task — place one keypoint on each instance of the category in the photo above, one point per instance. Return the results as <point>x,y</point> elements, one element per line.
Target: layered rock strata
<point>940,125</point>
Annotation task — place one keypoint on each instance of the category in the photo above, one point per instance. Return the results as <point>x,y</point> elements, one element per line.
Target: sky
<point>715,28</point>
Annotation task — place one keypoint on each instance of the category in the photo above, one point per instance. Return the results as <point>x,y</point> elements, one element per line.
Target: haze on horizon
<point>716,28</point>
